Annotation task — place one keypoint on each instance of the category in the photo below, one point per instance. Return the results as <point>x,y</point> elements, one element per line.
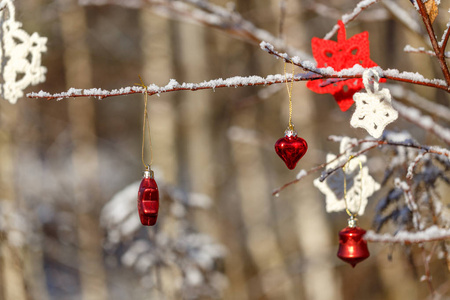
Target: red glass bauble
<point>352,247</point>
<point>148,199</point>
<point>291,148</point>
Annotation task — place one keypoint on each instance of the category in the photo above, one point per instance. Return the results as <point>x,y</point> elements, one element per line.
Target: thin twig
<point>410,202</point>
<point>426,149</point>
<point>431,234</point>
<point>436,110</point>
<point>329,172</point>
<point>404,18</point>
<point>413,164</point>
<point>207,14</point>
<point>426,264</point>
<point>444,40</point>
<point>433,40</point>
<point>323,10</point>
<point>425,122</point>
<point>409,49</point>
<point>347,18</point>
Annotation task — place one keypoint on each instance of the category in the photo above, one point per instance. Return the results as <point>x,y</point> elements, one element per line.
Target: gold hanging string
<point>289,90</point>
<point>146,125</point>
<point>352,215</point>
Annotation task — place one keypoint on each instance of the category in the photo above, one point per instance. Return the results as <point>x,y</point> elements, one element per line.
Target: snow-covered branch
<point>435,109</point>
<point>172,86</point>
<point>239,81</point>
<point>404,18</point>
<point>356,71</point>
<point>378,14</point>
<point>207,14</point>
<point>434,42</point>
<point>432,233</point>
<point>370,144</point>
<point>347,18</point>
<point>443,42</point>
<point>410,49</point>
<point>425,122</point>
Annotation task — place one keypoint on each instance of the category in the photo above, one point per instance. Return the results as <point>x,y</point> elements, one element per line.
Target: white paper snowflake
<point>359,187</point>
<point>374,110</point>
<point>20,54</point>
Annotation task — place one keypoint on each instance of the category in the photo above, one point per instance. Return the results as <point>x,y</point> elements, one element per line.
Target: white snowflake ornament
<point>20,54</point>
<point>360,185</point>
<point>374,110</point>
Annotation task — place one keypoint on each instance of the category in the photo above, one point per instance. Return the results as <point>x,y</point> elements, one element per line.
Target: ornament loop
<point>289,90</point>
<point>371,80</point>
<point>351,214</point>
<point>146,125</point>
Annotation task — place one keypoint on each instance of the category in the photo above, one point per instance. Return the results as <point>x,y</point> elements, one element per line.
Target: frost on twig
<point>172,86</point>
<point>207,14</point>
<point>362,5</point>
<point>356,71</point>
<point>239,81</point>
<point>432,233</point>
<point>323,10</point>
<point>406,149</point>
<point>359,184</point>
<point>445,36</point>
<point>425,122</point>
<point>405,19</point>
<point>408,204</point>
<point>413,164</point>
<point>410,49</point>
<point>435,109</point>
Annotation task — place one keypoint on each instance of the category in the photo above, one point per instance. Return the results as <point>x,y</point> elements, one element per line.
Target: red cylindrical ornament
<point>352,247</point>
<point>291,148</point>
<point>148,199</point>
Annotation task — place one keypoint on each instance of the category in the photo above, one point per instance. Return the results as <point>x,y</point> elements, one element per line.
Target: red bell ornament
<point>352,247</point>
<point>291,148</point>
<point>148,199</point>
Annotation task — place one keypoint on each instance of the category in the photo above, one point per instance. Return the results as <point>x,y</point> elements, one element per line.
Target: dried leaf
<point>432,9</point>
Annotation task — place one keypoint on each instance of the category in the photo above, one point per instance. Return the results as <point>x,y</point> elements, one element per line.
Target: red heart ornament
<point>148,199</point>
<point>291,148</point>
<point>352,247</point>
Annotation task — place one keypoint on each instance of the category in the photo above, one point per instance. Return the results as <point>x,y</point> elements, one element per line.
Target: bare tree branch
<point>425,122</point>
<point>434,42</point>
<point>376,143</point>
<point>444,40</point>
<point>404,18</point>
<point>173,86</point>
<point>356,71</point>
<point>415,99</point>
<point>347,18</point>
<point>208,14</point>
<point>431,234</point>
<point>410,49</point>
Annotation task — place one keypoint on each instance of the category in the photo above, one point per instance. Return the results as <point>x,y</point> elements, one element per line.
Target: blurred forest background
<point>61,162</point>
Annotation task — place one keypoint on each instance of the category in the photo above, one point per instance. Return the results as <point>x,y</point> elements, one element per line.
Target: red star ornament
<point>340,55</point>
